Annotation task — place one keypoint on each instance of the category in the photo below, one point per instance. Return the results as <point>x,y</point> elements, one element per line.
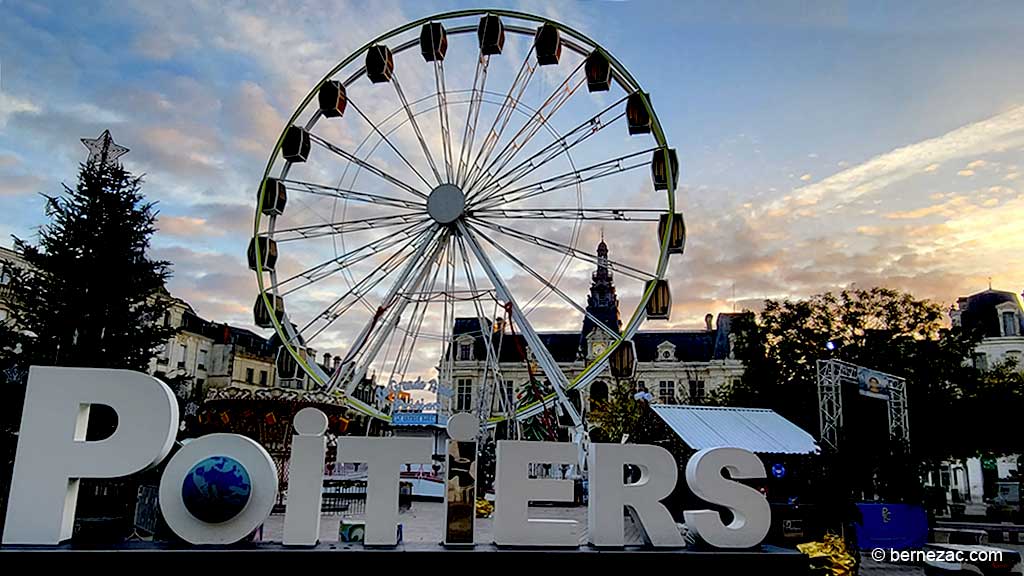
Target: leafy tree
<point>882,329</point>
<point>619,415</point>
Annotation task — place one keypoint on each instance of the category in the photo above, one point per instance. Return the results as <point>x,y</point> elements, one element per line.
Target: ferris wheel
<point>458,171</point>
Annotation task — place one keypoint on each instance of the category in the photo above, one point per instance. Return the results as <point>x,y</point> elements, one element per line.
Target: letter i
<point>305,478</point>
<point>460,480</point>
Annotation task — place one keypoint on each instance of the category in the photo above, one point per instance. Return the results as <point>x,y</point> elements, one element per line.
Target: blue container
<point>896,526</point>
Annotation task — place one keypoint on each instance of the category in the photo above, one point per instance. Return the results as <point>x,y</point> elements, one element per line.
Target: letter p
<point>53,454</point>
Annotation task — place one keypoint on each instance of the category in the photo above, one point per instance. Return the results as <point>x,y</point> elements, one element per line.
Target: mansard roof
<point>691,345</point>
<point>980,311</point>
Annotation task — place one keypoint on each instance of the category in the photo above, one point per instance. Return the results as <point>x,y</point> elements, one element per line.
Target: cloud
<point>932,167</point>
<point>805,178</point>
<point>965,173</point>
<point>13,185</point>
<point>187,227</point>
<point>996,134</point>
<point>11,105</point>
<point>977,164</point>
<point>162,44</point>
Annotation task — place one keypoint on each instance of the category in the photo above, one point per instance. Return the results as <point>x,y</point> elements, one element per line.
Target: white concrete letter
<point>53,454</point>
<point>609,494</point>
<point>752,517</point>
<point>514,491</point>
<point>262,474</point>
<point>384,458</point>
<point>305,478</point>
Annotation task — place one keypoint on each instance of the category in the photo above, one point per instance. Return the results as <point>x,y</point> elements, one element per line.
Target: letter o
<point>262,474</point>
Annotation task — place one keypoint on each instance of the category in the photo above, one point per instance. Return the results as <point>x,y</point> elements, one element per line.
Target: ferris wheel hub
<point>446,203</point>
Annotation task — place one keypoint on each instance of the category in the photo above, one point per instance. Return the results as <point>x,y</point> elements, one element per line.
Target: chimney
<point>707,321</point>
<point>327,358</point>
<point>337,362</point>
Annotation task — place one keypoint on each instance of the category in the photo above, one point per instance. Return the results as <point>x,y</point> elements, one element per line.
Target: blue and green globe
<point>216,489</point>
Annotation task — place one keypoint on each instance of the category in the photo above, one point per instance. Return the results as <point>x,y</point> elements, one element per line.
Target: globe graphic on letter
<point>216,489</point>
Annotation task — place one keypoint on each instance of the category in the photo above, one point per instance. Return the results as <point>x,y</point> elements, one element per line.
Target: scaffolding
<point>832,374</point>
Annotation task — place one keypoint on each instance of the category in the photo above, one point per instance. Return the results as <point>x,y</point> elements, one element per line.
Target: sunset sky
<point>822,144</point>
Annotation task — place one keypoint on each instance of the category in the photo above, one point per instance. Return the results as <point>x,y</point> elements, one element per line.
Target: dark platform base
<point>260,557</point>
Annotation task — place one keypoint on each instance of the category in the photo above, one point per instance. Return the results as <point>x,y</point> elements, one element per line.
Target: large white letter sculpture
<point>263,489</point>
<point>752,517</point>
<point>305,478</point>
<point>384,458</point>
<point>609,494</point>
<point>514,491</point>
<point>53,454</point>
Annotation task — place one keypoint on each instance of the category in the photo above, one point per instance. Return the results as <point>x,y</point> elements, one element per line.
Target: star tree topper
<point>103,148</point>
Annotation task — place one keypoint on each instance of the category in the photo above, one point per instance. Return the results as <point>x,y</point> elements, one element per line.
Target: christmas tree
<point>90,296</point>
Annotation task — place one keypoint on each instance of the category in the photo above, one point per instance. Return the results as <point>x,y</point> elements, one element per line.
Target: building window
<point>465,351</point>
<point>197,392</point>
<point>667,392</point>
<point>1009,324</point>
<point>184,355</point>
<point>981,361</point>
<point>696,389</point>
<point>263,377</point>
<point>249,373</point>
<point>463,395</point>
<point>510,394</point>
<point>666,354</point>
<point>202,360</point>
<point>944,477</point>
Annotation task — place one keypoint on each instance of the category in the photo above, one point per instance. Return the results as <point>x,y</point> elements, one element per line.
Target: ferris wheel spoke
<point>403,356</point>
<point>613,265</point>
<point>416,128</point>
<point>390,144</point>
<point>538,120</point>
<point>573,214</point>
<point>472,116</point>
<point>556,148</point>
<point>504,115</point>
<point>554,288</point>
<point>349,366</point>
<point>356,255</point>
<point>388,316</point>
<point>590,173</point>
<point>555,375</point>
<point>492,360</point>
<point>354,195</point>
<point>311,231</point>
<point>367,166</point>
<point>360,289</point>
<point>442,110</point>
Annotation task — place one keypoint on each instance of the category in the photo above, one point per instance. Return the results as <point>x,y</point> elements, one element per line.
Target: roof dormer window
<point>666,352</point>
<point>1010,324</point>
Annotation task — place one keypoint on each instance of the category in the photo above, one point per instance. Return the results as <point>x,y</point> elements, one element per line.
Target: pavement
<point>423,523</point>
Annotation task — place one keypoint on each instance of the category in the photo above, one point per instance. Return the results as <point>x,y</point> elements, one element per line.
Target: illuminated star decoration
<point>103,149</point>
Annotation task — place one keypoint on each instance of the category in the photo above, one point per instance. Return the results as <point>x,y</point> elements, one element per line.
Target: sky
<point>823,145</point>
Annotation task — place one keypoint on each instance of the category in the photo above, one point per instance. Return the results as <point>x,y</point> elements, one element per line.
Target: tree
<point>990,408</point>
<point>619,415</point>
<point>881,329</point>
<point>91,296</point>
